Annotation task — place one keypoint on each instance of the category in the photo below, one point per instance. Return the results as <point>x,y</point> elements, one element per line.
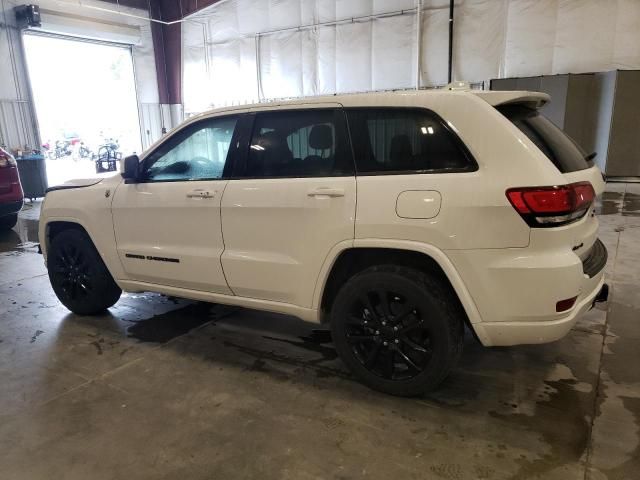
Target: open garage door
<point>85,97</point>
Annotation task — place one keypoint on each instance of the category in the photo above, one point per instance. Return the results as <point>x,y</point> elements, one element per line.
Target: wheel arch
<point>53,227</point>
<point>365,253</point>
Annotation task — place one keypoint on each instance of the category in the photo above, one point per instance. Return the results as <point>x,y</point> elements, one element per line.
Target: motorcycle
<point>85,152</point>
<point>62,149</point>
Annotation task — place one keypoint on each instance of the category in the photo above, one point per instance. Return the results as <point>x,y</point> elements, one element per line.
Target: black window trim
<point>231,154</point>
<point>242,155</point>
<point>472,165</point>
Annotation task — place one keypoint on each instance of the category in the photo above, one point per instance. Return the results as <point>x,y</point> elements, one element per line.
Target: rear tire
<point>78,275</point>
<point>8,222</point>
<point>398,329</point>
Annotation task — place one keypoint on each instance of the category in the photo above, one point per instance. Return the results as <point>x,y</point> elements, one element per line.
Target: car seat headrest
<point>321,137</point>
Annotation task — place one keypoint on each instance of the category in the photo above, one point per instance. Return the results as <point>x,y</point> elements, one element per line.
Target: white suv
<point>396,218</point>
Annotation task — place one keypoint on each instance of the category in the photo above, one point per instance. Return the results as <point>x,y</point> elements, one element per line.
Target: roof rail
<point>458,86</point>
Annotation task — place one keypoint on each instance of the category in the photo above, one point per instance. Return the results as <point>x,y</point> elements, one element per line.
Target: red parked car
<point>11,195</point>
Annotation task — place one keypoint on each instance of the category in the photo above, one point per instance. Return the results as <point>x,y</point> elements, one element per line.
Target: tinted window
<point>404,140</point>
<point>197,152</point>
<point>565,154</point>
<point>300,143</point>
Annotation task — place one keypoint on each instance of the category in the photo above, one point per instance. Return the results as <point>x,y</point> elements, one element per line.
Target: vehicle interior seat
<point>320,138</point>
<point>274,160</point>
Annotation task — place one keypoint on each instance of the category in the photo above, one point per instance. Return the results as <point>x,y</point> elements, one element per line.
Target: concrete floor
<point>165,388</point>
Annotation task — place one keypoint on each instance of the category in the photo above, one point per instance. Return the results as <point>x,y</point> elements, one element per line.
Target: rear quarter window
<point>558,147</point>
<point>405,140</point>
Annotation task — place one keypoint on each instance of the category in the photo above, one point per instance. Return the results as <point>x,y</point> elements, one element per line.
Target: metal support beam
<point>418,41</point>
<point>450,40</point>
<point>167,41</point>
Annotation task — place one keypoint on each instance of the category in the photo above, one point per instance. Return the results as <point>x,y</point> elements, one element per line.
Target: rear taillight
<point>6,160</point>
<point>552,206</point>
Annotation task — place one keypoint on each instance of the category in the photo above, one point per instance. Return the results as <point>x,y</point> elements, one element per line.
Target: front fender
<point>90,208</point>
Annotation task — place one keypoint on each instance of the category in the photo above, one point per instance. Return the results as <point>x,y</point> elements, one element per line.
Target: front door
<point>167,224</point>
<point>292,198</point>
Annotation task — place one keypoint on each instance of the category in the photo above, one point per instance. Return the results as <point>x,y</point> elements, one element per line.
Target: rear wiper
<point>591,156</point>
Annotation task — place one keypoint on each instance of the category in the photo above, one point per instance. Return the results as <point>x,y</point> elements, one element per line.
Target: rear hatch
<point>576,166</point>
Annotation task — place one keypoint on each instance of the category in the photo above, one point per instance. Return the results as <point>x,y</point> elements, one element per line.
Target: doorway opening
<point>85,98</point>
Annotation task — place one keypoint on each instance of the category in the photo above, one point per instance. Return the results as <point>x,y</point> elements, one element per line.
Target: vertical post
<point>258,68</point>
<point>31,106</point>
<point>450,39</point>
<point>418,41</point>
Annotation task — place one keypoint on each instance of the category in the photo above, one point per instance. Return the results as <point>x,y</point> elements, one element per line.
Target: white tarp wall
<point>248,50</point>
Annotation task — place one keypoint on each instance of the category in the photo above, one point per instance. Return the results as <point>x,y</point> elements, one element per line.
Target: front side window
<point>198,152</point>
<point>298,143</point>
<point>404,140</point>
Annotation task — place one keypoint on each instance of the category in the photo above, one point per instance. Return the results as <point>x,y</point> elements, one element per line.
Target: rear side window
<point>565,154</point>
<point>299,143</point>
<point>405,140</point>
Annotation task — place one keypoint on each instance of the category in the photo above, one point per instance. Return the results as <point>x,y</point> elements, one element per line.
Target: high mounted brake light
<point>552,206</point>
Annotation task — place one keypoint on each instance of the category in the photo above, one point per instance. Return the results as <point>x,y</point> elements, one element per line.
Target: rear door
<point>411,169</point>
<point>291,199</point>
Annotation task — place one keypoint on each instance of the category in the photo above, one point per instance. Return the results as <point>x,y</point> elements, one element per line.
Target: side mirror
<point>131,165</point>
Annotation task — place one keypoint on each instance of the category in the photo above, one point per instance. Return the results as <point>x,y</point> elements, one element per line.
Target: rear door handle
<point>326,192</point>
<point>199,193</point>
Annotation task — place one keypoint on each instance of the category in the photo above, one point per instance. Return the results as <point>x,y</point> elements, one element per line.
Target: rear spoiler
<point>521,97</point>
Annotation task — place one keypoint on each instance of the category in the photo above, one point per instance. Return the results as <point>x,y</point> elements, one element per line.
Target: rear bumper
<point>494,334</point>
<point>9,208</point>
<point>516,290</point>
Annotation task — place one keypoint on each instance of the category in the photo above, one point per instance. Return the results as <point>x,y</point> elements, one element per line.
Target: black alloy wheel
<point>398,329</point>
<point>71,272</point>
<point>78,275</point>
<point>388,335</point>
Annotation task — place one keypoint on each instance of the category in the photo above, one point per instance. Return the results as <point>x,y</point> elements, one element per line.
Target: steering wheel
<point>202,161</point>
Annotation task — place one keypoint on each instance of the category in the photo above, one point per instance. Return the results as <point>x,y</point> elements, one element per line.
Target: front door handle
<point>199,193</point>
<point>326,192</point>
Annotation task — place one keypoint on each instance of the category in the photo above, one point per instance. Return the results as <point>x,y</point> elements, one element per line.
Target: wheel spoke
<point>74,254</point>
<point>61,269</point>
<point>373,315</point>
<point>407,360</point>
<point>83,288</point>
<point>63,260</point>
<point>383,296</point>
<point>413,345</point>
<point>65,253</point>
<point>406,310</point>
<point>412,326</point>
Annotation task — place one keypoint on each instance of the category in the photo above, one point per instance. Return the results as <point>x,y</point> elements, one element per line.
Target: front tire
<point>399,330</point>
<point>8,222</point>
<point>78,275</point>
